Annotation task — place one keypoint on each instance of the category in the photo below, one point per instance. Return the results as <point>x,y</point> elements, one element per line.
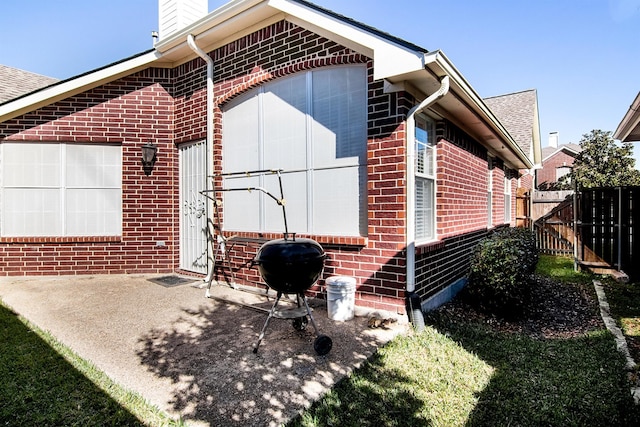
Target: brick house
<point>389,157</point>
<point>557,161</point>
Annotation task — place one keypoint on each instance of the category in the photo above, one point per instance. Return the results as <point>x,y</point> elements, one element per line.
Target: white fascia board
<point>630,120</point>
<point>212,20</point>
<point>560,149</point>
<point>73,86</point>
<point>390,59</point>
<point>536,144</point>
<point>440,64</point>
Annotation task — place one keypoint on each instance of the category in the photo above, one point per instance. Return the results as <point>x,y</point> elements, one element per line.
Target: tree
<point>602,163</point>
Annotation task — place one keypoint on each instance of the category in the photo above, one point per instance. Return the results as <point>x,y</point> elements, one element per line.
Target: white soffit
<point>390,59</point>
<point>470,112</point>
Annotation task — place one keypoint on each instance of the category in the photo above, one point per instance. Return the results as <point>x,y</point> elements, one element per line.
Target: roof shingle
<point>517,112</point>
<point>15,82</point>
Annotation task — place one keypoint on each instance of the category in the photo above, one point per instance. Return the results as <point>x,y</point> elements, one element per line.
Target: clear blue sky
<point>582,56</point>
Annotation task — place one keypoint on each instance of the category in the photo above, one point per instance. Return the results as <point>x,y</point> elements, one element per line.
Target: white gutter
<point>629,121</point>
<point>191,41</point>
<point>409,134</point>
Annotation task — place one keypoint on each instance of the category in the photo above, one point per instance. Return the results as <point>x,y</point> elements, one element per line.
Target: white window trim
<point>490,193</point>
<point>429,122</point>
<point>507,197</point>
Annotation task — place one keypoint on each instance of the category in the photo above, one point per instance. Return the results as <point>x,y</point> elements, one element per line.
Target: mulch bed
<point>557,310</point>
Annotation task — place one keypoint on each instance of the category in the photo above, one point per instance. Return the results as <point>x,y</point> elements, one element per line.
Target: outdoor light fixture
<point>148,157</point>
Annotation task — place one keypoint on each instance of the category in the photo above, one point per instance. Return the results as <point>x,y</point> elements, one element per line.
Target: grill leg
<point>313,322</point>
<point>264,328</point>
<point>322,344</point>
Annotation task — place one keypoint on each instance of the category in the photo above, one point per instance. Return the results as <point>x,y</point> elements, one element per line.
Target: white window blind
<point>507,198</point>
<point>424,178</point>
<point>61,189</point>
<point>313,126</point>
<point>490,192</point>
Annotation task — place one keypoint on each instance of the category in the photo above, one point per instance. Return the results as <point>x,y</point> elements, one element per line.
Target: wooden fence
<point>609,219</point>
<point>554,230</point>
<point>603,235</point>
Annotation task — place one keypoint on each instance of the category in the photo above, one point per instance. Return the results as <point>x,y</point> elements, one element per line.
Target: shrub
<point>501,267</point>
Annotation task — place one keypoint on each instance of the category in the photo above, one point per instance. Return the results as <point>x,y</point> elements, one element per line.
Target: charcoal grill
<point>289,266</point>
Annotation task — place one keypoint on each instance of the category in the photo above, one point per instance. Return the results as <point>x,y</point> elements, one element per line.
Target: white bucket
<point>341,297</point>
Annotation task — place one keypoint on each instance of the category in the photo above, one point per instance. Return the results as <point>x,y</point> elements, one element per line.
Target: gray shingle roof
<point>518,113</point>
<point>15,82</point>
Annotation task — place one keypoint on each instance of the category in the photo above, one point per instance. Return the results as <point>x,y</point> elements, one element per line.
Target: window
<point>507,197</point>
<point>562,171</point>
<point>60,189</point>
<point>425,178</point>
<point>490,193</point>
<point>313,126</point>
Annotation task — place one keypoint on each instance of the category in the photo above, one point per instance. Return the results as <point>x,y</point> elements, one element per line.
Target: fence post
<point>620,228</point>
<point>575,225</point>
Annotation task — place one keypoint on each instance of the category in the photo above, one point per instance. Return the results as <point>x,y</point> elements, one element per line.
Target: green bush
<point>501,268</point>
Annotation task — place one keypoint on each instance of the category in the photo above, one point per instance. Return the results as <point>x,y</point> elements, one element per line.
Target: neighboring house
<point>557,161</point>
<point>390,158</point>
<point>629,128</point>
<point>15,82</point>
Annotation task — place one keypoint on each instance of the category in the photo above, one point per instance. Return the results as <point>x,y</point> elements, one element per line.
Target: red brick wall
<point>462,191</point>
<point>131,111</point>
<point>547,175</point>
<point>461,183</point>
<point>461,203</point>
<point>526,180</point>
<point>377,260</point>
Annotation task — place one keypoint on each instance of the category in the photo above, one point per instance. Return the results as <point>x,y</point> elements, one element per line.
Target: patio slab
<point>190,355</point>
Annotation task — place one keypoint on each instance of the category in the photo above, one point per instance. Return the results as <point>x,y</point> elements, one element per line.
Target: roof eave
<point>486,126</point>
<point>240,17</point>
<point>629,127</point>
<point>73,86</point>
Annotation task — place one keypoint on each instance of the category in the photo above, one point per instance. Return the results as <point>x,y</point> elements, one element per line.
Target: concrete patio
<point>192,356</point>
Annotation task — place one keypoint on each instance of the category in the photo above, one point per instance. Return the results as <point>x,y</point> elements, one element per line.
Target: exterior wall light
<point>148,157</point>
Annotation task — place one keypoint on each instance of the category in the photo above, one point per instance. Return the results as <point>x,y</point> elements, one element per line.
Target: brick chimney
<point>174,15</point>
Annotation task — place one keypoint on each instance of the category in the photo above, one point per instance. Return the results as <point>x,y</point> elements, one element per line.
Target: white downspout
<point>411,232</point>
<point>191,41</point>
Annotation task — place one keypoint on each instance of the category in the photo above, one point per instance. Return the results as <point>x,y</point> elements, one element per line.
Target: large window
<point>425,178</point>
<point>51,189</point>
<point>313,126</point>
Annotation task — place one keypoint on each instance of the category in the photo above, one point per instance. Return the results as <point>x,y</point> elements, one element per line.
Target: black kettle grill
<point>289,266</point>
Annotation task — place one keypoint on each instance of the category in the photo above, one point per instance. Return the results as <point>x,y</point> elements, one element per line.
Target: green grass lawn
<point>43,383</point>
<point>462,372</point>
